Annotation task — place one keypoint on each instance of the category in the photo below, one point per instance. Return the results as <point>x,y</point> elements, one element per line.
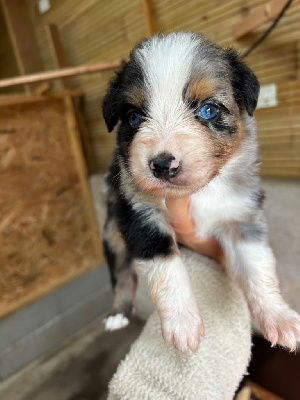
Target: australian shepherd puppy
<point>183,108</point>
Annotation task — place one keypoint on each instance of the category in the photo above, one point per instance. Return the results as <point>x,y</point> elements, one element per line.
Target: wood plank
<point>259,16</point>
<point>22,37</point>
<point>29,98</point>
<point>262,393</point>
<point>79,104</point>
<point>244,394</point>
<point>80,9</point>
<point>149,16</point>
<point>43,88</point>
<point>82,171</point>
<point>59,59</point>
<point>273,111</point>
<point>281,163</point>
<point>280,173</point>
<point>57,74</point>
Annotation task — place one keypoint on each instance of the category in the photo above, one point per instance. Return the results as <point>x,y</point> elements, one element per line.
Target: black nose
<point>164,166</point>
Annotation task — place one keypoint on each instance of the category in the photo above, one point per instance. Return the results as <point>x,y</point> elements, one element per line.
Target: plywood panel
<point>96,30</point>
<point>47,226</point>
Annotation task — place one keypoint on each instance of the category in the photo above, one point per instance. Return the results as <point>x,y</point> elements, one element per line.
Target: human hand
<point>183,225</point>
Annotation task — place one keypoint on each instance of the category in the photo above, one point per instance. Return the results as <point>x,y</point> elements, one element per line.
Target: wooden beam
<point>20,98</point>
<point>57,51</point>
<point>149,16</point>
<point>87,147</point>
<point>244,394</point>
<point>43,88</point>
<point>259,16</point>
<point>262,393</point>
<point>22,37</point>
<point>59,60</point>
<point>58,74</point>
<point>82,172</point>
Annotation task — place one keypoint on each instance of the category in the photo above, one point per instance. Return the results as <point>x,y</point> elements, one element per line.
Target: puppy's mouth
<point>169,186</point>
<point>167,179</point>
<point>166,175</point>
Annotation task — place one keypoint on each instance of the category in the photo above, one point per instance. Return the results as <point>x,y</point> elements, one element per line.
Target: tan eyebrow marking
<point>135,95</point>
<point>201,88</point>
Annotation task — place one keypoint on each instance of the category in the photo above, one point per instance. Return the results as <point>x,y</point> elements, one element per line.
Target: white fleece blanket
<point>152,371</point>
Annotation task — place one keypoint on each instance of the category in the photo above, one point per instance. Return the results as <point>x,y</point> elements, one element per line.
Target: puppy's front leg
<point>252,263</point>
<point>150,239</point>
<point>173,296</point>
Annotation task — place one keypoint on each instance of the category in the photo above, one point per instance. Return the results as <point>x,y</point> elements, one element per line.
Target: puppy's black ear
<point>111,101</point>
<point>244,82</point>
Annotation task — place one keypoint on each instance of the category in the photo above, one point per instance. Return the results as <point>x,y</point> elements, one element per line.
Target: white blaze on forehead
<point>166,63</point>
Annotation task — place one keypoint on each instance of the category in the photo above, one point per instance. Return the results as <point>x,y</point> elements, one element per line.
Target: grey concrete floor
<point>80,370</point>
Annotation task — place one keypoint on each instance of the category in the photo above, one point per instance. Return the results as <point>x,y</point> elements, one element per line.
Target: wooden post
<point>43,88</point>
<point>244,394</point>
<point>87,147</point>
<point>57,52</point>
<point>82,171</point>
<point>262,393</point>
<point>22,37</point>
<point>59,60</point>
<point>149,16</point>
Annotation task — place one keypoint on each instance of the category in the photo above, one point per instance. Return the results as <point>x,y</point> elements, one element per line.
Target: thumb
<point>178,215</point>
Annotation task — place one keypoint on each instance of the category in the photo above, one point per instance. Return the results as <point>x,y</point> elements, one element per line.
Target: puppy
<point>185,127</point>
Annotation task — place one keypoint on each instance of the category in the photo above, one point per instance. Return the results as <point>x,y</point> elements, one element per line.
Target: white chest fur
<point>219,203</point>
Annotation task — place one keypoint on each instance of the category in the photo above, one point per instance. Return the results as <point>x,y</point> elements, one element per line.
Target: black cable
<point>269,30</point>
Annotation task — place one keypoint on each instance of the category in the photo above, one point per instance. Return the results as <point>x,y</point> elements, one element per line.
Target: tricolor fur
<point>165,149</point>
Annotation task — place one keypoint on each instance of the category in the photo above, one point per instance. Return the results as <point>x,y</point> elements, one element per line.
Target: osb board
<point>97,30</point>
<point>47,233</point>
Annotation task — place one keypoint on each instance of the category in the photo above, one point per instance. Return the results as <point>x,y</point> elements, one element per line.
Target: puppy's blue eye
<point>208,111</point>
<point>135,119</point>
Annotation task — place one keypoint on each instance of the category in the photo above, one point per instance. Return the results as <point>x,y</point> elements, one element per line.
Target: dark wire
<point>268,31</point>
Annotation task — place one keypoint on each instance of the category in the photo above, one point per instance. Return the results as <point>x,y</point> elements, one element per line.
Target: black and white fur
<point>165,82</point>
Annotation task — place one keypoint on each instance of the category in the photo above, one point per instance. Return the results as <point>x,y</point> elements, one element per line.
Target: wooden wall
<point>96,30</point>
<point>91,31</point>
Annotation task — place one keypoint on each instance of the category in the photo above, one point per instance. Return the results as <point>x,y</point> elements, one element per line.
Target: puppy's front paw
<point>282,327</point>
<point>115,322</point>
<point>184,328</point>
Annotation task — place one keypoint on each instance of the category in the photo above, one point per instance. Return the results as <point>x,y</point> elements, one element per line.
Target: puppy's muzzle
<point>165,166</point>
